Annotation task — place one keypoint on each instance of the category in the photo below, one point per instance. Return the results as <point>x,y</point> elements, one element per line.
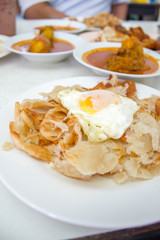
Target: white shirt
<point>84,8</point>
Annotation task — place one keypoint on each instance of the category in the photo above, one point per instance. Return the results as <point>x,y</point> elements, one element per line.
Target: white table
<point>17,220</point>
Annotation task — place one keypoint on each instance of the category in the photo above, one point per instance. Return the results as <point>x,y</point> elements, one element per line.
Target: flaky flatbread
<point>46,130</point>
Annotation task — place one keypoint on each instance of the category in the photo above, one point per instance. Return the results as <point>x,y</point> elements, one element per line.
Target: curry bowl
<point>64,25</point>
<point>94,56</point>
<point>19,44</point>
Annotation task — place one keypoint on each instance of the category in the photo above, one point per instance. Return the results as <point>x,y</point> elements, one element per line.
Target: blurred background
<point>147,10</point>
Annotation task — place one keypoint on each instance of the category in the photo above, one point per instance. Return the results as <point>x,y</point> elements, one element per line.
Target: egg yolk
<point>94,101</point>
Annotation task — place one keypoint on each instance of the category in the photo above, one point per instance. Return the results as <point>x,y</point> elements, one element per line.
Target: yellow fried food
<point>47,32</point>
<point>151,44</point>
<point>43,42</point>
<point>129,57</point>
<point>40,44</point>
<point>145,39</point>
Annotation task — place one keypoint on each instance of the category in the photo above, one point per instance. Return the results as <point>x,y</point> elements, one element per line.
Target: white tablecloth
<point>18,221</point>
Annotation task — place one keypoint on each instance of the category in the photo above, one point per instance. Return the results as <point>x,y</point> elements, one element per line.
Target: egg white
<point>110,122</point>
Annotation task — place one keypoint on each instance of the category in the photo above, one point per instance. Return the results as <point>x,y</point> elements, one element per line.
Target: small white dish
<point>3,51</point>
<point>79,26</point>
<point>45,57</point>
<point>78,55</point>
<point>99,203</point>
<point>91,36</point>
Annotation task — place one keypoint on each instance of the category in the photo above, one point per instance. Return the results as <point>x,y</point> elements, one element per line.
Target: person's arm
<point>43,10</point>
<point>120,10</point>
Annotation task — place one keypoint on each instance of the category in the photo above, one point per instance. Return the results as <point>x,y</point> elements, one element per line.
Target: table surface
<point>18,221</point>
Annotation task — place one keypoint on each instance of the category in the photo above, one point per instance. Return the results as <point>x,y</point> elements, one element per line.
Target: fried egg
<point>102,114</point>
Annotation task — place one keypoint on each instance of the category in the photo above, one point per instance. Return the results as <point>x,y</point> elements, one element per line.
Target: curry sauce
<point>59,46</point>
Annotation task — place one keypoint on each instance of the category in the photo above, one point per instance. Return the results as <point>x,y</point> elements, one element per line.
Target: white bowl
<point>60,22</point>
<point>44,57</point>
<point>78,53</point>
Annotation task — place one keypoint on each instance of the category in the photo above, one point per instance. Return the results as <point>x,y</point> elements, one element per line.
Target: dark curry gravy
<point>59,46</point>
<point>97,58</point>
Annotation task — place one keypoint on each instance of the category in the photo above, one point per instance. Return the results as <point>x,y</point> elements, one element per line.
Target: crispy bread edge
<point>38,152</point>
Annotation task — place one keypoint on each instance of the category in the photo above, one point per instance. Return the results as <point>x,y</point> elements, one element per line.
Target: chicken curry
<point>127,59</point>
<point>44,42</point>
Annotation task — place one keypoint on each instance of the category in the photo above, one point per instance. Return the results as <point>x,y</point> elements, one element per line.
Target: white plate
<point>3,51</point>
<point>90,36</point>
<point>78,53</point>
<point>61,22</point>
<point>80,20</point>
<point>44,57</point>
<point>97,203</point>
